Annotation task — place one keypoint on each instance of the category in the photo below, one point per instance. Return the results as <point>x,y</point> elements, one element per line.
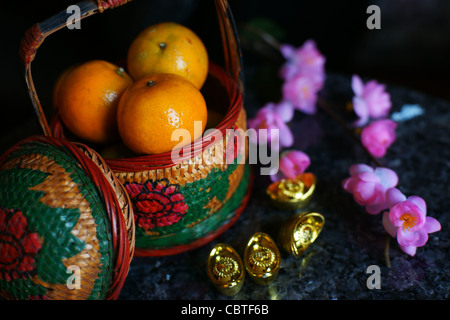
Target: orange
<point>57,85</point>
<point>168,47</point>
<point>88,97</point>
<point>155,106</point>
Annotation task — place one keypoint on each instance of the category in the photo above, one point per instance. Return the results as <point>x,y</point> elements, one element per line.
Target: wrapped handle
<point>231,44</point>
<point>34,37</point>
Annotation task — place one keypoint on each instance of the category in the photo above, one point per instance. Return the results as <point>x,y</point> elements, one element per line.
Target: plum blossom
<point>370,100</point>
<point>378,136</point>
<point>306,60</point>
<point>301,92</point>
<point>407,221</point>
<point>292,164</point>
<point>303,75</point>
<point>369,186</point>
<point>272,118</point>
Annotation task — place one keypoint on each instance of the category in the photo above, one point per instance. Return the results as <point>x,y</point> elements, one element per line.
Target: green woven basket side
<point>53,225</point>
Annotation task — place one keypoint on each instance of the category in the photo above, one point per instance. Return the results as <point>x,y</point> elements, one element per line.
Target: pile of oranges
<point>167,65</point>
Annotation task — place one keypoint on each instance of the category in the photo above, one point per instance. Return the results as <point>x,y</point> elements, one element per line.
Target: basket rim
<point>160,252</point>
<point>121,244</point>
<point>164,160</point>
<point>35,36</point>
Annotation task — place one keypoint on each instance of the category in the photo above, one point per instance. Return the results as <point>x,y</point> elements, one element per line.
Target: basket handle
<point>34,37</point>
<point>231,44</point>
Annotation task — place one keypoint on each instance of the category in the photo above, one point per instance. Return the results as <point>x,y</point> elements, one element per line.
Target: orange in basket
<point>168,48</point>
<point>57,86</point>
<point>153,107</point>
<point>88,97</point>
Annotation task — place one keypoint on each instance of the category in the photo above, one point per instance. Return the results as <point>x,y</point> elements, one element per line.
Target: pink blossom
<point>301,92</point>
<point>292,164</point>
<point>284,109</point>
<point>303,74</point>
<point>306,60</point>
<point>370,100</point>
<point>378,136</point>
<point>407,221</point>
<point>369,186</point>
<point>270,117</point>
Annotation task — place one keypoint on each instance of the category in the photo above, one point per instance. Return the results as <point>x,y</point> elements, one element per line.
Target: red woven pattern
<point>109,4</point>
<point>30,43</point>
<point>121,244</point>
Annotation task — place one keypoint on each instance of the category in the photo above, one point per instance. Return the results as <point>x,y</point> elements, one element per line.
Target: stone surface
<point>335,266</point>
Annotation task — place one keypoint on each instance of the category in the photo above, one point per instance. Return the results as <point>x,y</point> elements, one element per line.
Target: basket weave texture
<point>177,206</point>
<point>55,218</point>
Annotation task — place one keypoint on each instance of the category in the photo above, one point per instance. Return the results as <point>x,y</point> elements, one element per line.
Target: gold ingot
<point>262,258</point>
<point>291,194</point>
<point>300,231</point>
<point>225,269</point>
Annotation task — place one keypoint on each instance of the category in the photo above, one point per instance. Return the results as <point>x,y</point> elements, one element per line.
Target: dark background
<point>411,49</point>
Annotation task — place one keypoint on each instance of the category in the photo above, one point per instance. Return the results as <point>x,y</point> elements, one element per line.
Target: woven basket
<point>180,205</point>
<point>66,223</point>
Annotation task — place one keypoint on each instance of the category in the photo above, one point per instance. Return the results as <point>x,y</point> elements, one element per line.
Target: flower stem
<point>325,105</point>
<point>269,39</point>
<point>387,241</point>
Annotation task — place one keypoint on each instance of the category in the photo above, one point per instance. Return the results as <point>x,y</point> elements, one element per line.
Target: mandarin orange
<point>168,47</point>
<point>88,97</point>
<point>57,85</point>
<point>155,106</point>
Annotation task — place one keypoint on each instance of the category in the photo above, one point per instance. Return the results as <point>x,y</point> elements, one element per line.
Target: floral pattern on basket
<point>21,244</point>
<point>156,203</point>
<point>54,226</point>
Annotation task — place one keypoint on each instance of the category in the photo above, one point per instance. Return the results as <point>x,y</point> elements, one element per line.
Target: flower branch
<point>303,75</point>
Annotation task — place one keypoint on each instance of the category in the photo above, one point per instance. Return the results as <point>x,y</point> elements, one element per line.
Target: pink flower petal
<point>287,51</point>
<point>388,177</point>
<point>410,250</point>
<point>293,163</point>
<point>369,177</point>
<point>286,137</point>
<point>301,92</point>
<point>357,85</point>
<point>407,238</point>
<point>432,225</point>
<point>412,238</point>
<point>285,110</point>
<point>349,184</point>
<point>370,100</point>
<point>360,109</point>
<point>394,196</point>
<point>357,168</point>
<point>419,202</point>
<point>287,167</point>
<point>364,192</point>
<point>378,136</point>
